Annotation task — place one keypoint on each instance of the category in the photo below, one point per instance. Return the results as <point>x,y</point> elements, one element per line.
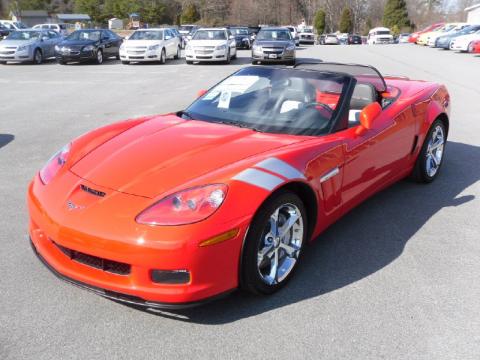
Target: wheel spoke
<point>291,250</point>
<point>264,254</point>
<point>273,276</point>
<point>274,223</point>
<point>288,225</point>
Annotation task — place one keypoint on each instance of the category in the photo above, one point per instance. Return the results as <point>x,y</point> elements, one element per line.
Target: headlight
<point>56,162</point>
<point>57,48</point>
<point>122,47</point>
<point>257,48</point>
<point>221,47</point>
<point>290,47</point>
<point>23,47</point>
<point>89,48</point>
<point>188,47</point>
<point>153,47</point>
<point>185,207</point>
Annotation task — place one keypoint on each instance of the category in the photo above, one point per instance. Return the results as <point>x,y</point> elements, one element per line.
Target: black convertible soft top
<point>363,73</point>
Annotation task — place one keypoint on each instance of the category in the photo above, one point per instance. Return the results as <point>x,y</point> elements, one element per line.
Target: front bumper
<point>117,238</point>
<point>459,46</point>
<point>75,56</point>
<point>306,40</point>
<point>273,56</point>
<point>15,56</point>
<point>144,56</point>
<point>206,55</point>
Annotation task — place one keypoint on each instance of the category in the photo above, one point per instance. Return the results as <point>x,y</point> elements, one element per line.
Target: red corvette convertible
<point>172,210</point>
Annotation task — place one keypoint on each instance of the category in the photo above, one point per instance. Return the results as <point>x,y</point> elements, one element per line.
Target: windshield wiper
<point>237,124</point>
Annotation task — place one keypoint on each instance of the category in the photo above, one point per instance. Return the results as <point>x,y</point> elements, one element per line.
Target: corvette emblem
<point>72,206</point>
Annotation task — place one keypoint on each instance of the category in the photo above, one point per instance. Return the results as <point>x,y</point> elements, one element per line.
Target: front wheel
<point>274,243</point>
<point>163,57</point>
<point>3,62</point>
<point>229,59</point>
<point>177,56</point>
<point>431,155</point>
<point>125,62</point>
<point>37,57</point>
<point>99,58</point>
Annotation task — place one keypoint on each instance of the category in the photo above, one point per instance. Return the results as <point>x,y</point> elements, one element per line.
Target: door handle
<point>327,176</point>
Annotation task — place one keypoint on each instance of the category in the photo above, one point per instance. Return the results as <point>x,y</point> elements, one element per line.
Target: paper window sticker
<point>224,101</point>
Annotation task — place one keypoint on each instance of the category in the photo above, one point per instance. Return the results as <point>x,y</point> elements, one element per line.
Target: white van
<point>380,35</point>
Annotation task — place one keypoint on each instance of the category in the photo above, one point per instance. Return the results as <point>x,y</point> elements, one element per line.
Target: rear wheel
<point>274,243</point>
<point>470,47</point>
<point>189,62</point>
<point>125,62</point>
<point>37,57</point>
<point>430,159</point>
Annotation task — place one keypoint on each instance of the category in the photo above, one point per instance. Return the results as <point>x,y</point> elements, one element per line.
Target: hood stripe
<point>259,178</point>
<point>281,168</point>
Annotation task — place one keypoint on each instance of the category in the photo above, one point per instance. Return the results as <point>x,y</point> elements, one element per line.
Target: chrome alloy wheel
<point>99,56</point>
<point>435,151</point>
<point>280,245</point>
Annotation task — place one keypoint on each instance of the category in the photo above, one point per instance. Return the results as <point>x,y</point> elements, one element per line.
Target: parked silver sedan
<point>29,45</point>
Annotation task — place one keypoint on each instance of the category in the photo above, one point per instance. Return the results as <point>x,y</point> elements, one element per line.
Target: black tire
<point>163,57</point>
<point>177,56</point>
<point>234,56</point>
<point>189,62</point>
<point>291,63</point>
<point>3,62</point>
<point>125,62</point>
<point>420,173</point>
<point>99,57</point>
<point>251,280</point>
<point>117,57</point>
<point>61,62</point>
<point>229,59</point>
<point>37,57</point>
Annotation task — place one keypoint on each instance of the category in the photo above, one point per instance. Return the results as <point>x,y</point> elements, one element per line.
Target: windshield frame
<point>334,123</point>
<point>161,31</point>
<point>18,32</point>
<point>71,36</point>
<point>199,31</point>
<point>285,30</point>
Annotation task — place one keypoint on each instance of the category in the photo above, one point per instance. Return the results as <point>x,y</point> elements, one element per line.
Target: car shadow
<point>5,139</point>
<point>363,242</point>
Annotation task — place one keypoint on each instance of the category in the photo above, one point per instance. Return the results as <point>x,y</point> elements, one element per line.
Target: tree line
<point>327,15</point>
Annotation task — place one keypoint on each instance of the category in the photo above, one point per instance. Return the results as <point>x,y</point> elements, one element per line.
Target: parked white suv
<point>380,35</point>
<point>211,44</point>
<point>150,45</point>
<point>59,28</point>
<point>13,25</point>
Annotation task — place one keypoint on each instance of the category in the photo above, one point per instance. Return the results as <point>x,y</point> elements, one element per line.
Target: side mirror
<point>45,38</point>
<point>202,92</point>
<point>368,116</point>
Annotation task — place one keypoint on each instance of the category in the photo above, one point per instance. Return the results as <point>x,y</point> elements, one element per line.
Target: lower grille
<point>110,266</point>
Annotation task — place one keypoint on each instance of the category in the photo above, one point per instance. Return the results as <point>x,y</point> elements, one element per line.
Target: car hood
<point>77,42</point>
<point>17,42</point>
<point>166,152</point>
<point>207,42</point>
<point>142,42</point>
<point>269,43</point>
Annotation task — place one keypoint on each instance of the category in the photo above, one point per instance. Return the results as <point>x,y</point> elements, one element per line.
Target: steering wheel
<point>314,103</point>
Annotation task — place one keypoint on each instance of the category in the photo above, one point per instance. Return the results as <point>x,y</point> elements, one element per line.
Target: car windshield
<point>307,30</point>
<point>274,35</point>
<point>273,100</point>
<point>147,35</point>
<point>210,35</point>
<point>84,35</point>
<point>383,32</point>
<point>239,31</point>
<point>24,35</point>
<point>20,25</point>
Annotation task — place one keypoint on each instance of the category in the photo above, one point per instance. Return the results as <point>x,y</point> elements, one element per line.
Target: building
<point>473,14</point>
<point>73,18</point>
<point>31,17</point>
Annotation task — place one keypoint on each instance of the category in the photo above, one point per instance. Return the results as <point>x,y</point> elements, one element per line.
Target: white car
<point>380,35</point>
<point>211,44</point>
<point>294,33</point>
<point>462,43</point>
<point>59,28</point>
<point>147,45</point>
<point>13,25</point>
<point>331,39</point>
<point>306,35</point>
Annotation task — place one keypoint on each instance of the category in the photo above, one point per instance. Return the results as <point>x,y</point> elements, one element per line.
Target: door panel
<point>377,156</point>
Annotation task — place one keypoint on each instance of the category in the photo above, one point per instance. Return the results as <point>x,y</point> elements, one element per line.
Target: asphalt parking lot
<point>397,278</point>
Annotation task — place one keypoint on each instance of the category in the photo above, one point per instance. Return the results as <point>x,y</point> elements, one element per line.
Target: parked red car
<point>172,210</point>
<point>474,47</point>
<point>414,36</point>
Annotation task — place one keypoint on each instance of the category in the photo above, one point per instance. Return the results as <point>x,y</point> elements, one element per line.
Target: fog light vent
<point>170,276</point>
